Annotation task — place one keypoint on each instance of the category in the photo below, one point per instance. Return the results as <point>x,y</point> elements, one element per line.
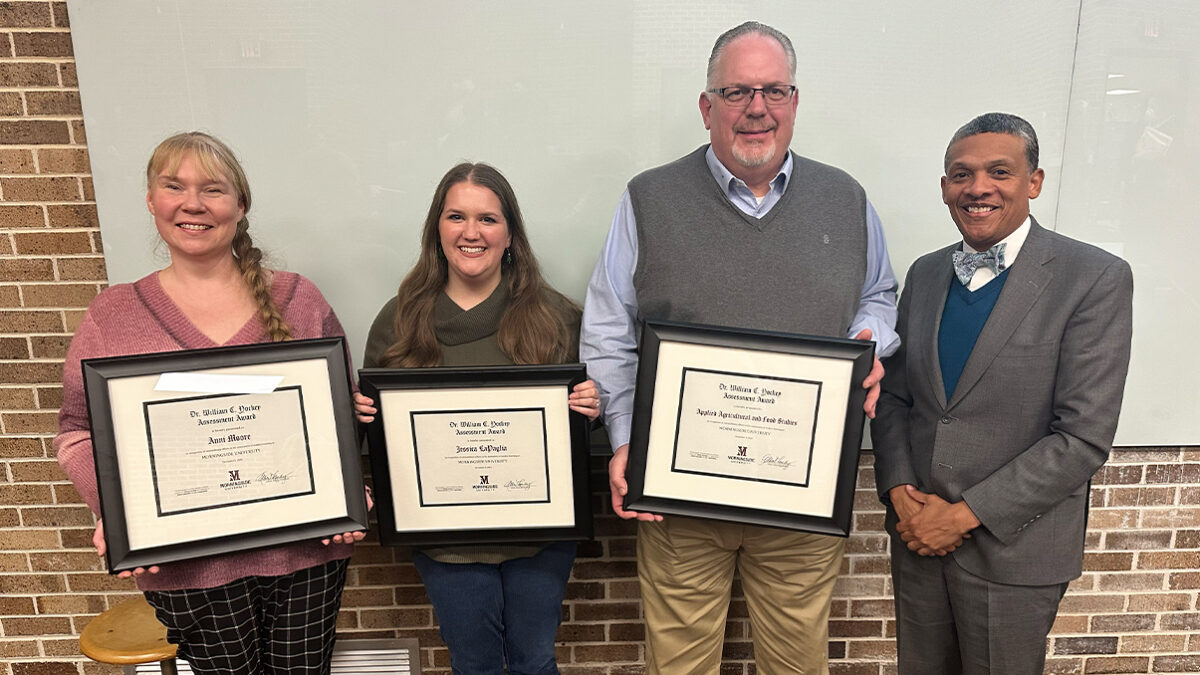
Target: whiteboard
<point>345,116</point>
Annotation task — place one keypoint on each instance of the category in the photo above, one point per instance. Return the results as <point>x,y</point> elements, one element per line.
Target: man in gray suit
<point>1000,404</point>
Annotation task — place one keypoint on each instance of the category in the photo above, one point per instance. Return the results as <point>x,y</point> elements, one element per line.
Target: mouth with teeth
<point>193,227</point>
<point>979,209</point>
<point>472,249</point>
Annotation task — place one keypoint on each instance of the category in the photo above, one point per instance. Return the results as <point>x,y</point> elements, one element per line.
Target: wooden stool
<point>127,635</point>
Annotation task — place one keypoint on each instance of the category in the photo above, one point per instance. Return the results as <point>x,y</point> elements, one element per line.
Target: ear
<point>705,109</point>
<point>1035,183</point>
<point>945,197</point>
<point>149,203</point>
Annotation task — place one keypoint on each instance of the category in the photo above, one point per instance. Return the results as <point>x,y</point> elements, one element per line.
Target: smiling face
<point>987,187</point>
<point>196,214</point>
<point>473,234</point>
<point>750,140</point>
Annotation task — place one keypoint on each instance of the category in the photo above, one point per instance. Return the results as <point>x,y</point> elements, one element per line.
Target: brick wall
<point>1133,611</point>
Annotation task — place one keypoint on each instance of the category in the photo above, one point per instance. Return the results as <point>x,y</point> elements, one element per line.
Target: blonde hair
<point>530,332</point>
<point>218,161</point>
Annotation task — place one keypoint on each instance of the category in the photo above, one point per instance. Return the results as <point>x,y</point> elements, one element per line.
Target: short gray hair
<point>999,123</point>
<point>749,28</point>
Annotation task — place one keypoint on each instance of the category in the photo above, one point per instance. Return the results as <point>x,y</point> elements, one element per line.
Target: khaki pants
<point>686,568</point>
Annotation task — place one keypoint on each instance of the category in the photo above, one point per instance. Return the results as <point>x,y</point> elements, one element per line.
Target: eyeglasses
<point>774,94</point>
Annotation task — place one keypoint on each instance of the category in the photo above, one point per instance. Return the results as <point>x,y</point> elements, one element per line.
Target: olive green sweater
<point>467,338</point>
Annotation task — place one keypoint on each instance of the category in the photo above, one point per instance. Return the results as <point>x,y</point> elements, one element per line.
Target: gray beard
<point>754,162</point>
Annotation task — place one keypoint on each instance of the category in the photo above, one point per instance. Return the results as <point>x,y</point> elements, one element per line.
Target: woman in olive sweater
<point>476,297</point>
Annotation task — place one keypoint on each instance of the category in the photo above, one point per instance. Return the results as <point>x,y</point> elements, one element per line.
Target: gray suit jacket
<point>1033,414</point>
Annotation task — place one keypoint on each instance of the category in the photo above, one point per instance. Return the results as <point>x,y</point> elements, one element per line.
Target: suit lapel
<point>1027,280</point>
<point>930,318</point>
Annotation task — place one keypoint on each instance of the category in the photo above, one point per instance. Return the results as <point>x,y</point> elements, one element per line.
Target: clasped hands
<point>929,524</point>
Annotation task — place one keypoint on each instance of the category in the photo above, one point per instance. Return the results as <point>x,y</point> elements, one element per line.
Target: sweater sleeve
<point>73,444</point>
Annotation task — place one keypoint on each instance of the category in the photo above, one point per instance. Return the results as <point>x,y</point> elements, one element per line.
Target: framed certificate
<point>211,451</point>
<point>748,426</point>
<point>478,455</point>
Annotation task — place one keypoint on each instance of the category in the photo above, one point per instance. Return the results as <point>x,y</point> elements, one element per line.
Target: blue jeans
<point>492,615</point>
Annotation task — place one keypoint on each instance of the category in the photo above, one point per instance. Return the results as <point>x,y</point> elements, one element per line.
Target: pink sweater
<point>140,318</point>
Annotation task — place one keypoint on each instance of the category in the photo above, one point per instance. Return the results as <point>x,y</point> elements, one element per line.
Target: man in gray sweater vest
<point>744,233</point>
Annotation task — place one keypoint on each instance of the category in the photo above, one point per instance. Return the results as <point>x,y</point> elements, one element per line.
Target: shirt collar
<point>730,182</point>
<point>1013,243</point>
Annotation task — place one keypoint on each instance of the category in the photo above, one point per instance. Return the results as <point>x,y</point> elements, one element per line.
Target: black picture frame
<point>136,480</point>
<point>763,384</point>
<point>417,405</point>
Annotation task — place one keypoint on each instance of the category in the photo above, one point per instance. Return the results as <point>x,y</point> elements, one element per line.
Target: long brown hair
<point>531,331</point>
<point>218,161</point>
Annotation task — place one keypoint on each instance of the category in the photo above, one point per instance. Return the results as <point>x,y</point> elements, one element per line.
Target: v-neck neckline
<point>186,333</point>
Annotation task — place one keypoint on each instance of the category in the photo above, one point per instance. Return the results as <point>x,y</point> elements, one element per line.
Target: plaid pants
<point>257,625</point>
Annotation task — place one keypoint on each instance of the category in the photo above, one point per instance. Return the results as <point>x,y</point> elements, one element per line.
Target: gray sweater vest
<point>799,269</point>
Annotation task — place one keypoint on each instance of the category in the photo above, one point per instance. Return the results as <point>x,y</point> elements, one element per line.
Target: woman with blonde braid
<point>262,611</point>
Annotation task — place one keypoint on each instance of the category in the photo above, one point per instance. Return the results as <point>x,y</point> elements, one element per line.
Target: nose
<point>192,201</point>
<point>757,104</point>
<point>470,228</point>
<point>981,184</point>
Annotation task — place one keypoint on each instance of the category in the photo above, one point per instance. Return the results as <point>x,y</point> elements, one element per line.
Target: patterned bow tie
<point>965,264</point>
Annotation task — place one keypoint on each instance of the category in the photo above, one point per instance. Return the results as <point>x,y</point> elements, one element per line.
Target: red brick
<point>1117,664</point>
<point>78,132</point>
<point>47,189</point>
<point>1173,473</point>
<point>10,104</point>
<point>16,607</point>
<point>855,628</point>
<point>51,243</point>
<point>24,584</point>
<point>1152,643</point>
<point>10,296</point>
<point>30,423</point>
<point>1122,623</point>
<point>49,44</point>
<point>46,668</point>
<point>1189,663</point>
<point>1137,540</point>
<point>1154,560</point>
<point>1171,518</point>
<point>35,471</point>
<point>21,216</point>
<point>602,611</point>
<point>1141,496</point>
<point>610,653</point>
<point>30,322</point>
<point>85,582</point>
<point>36,625</point>
<point>1131,581</point>
<point>18,494</point>
<point>1159,602</point>
<point>57,516</point>
<point>11,448</point>
<point>26,269</point>
<point>16,160</point>
<point>58,295</point>
<point>63,561</point>
<point>1107,562</point>
<point>14,348</point>
<point>1085,645</point>
<point>16,398</point>
<point>29,132</point>
<point>49,346</point>
<point>1118,475</point>
<point>388,618</point>
<point>91,269</point>
<point>63,160</point>
<point>1182,621</point>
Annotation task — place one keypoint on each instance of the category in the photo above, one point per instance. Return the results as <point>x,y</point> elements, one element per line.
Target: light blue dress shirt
<point>608,339</point>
